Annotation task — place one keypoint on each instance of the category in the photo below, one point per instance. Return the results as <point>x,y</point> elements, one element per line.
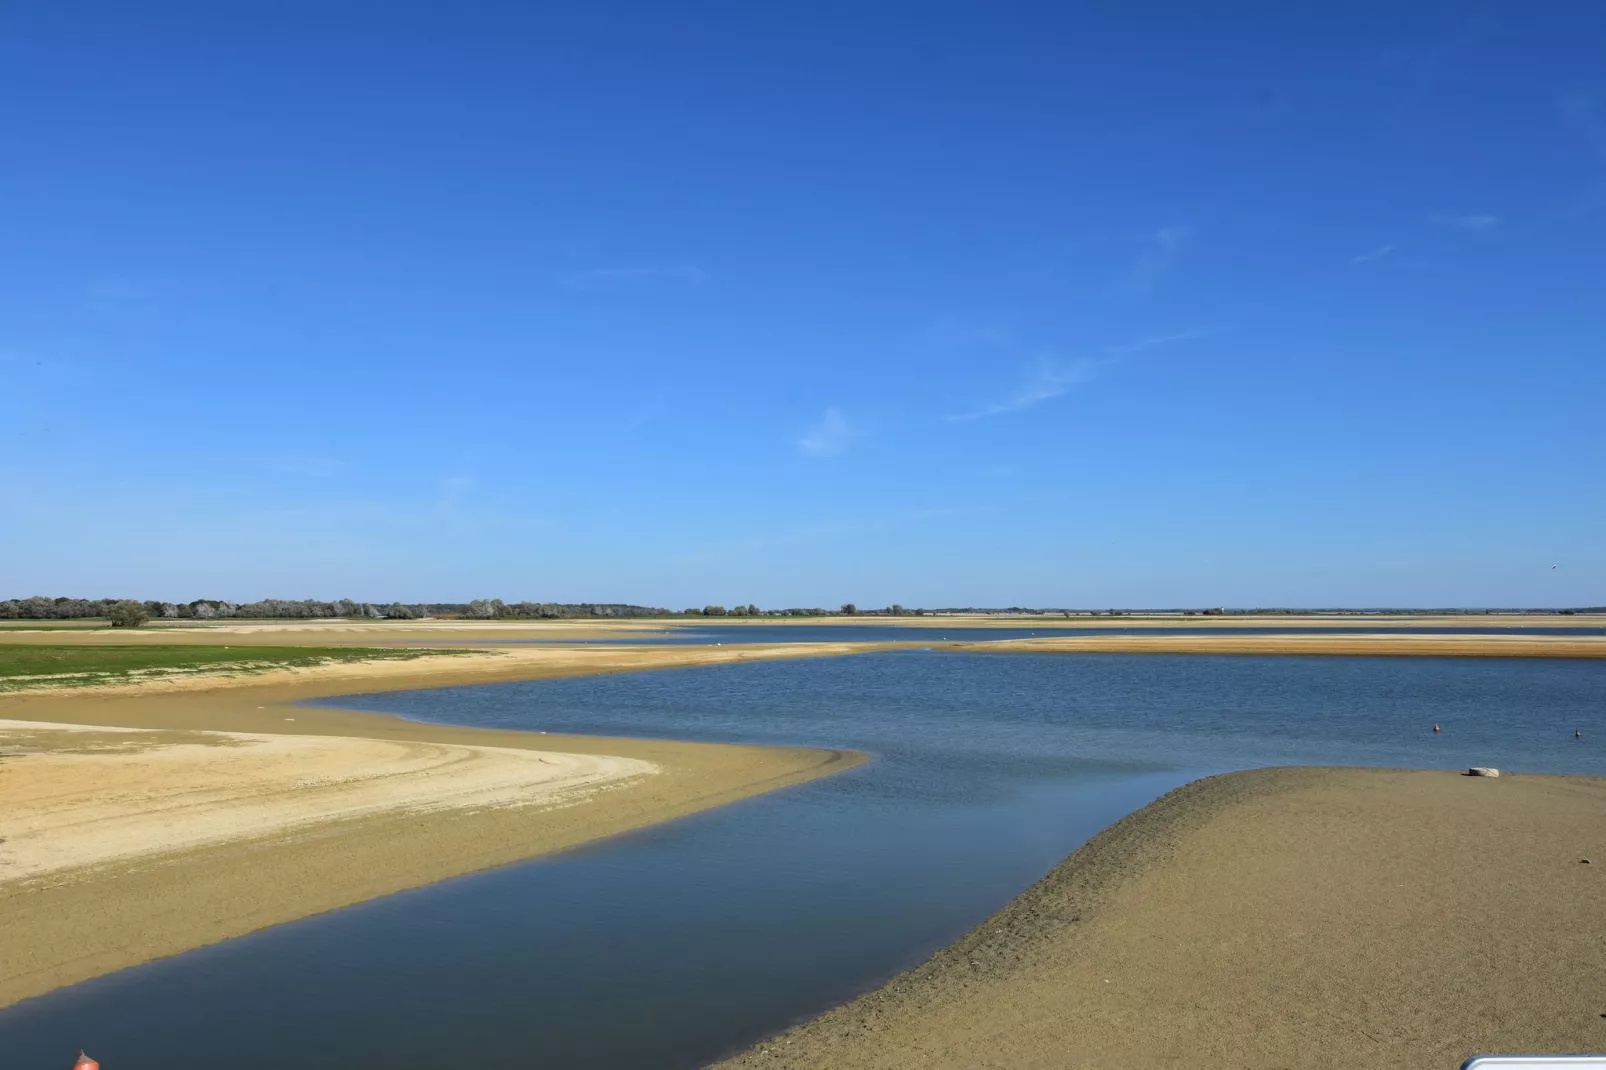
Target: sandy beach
<point>1273,918</point>
<point>78,796</point>
<point>143,820</point>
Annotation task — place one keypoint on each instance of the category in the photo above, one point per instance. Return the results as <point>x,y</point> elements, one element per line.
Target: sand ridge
<point>1272,918</point>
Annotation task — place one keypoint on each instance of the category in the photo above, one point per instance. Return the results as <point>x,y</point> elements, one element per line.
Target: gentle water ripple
<point>667,947</point>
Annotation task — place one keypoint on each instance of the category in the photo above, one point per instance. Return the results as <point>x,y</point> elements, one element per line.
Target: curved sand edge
<point>62,930</point>
<point>75,796</point>
<point>1272,918</point>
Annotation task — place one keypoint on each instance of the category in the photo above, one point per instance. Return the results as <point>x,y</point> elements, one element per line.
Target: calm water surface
<point>669,947</point>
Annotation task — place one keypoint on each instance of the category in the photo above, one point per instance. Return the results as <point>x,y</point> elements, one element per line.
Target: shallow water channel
<point>671,946</point>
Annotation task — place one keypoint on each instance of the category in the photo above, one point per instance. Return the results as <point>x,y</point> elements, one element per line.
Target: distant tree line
<point>848,609</point>
<point>40,607</point>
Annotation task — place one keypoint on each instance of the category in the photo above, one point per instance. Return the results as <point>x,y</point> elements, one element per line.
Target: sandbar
<point>1272,918</point>
<point>1423,645</point>
<point>147,819</point>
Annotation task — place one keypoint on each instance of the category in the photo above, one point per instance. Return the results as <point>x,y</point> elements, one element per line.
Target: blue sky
<point>800,304</point>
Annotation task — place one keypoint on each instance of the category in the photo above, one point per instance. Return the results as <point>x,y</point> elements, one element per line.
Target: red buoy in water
<point>85,1062</point>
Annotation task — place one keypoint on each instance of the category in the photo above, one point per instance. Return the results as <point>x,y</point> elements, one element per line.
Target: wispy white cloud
<point>1047,377</point>
<point>1123,349</point>
<point>603,278</point>
<point>829,437</point>
<point>1159,255</point>
<point>1376,254</point>
<point>1475,222</point>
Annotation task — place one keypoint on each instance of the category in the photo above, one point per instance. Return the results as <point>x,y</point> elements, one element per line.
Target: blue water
<point>669,947</point>
<point>920,634</point>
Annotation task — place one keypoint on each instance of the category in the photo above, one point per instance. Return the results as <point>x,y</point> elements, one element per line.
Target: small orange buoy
<point>85,1062</point>
<point>1435,728</point>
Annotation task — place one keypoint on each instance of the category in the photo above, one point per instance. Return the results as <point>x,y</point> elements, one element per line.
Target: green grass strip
<point>40,665</point>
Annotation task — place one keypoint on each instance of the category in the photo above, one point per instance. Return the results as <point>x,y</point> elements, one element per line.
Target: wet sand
<point>1273,918</point>
<point>330,806</point>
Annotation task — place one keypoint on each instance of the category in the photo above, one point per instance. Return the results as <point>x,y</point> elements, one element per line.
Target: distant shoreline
<point>597,626</point>
<point>1052,621</point>
<point>502,652</point>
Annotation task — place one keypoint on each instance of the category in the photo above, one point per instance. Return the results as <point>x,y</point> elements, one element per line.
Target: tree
<point>484,608</point>
<point>127,614</point>
<point>849,609</point>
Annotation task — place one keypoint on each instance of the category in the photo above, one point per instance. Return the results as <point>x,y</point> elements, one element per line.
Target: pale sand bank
<point>1392,645</point>
<point>74,796</point>
<point>1274,918</point>
<point>337,807</point>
